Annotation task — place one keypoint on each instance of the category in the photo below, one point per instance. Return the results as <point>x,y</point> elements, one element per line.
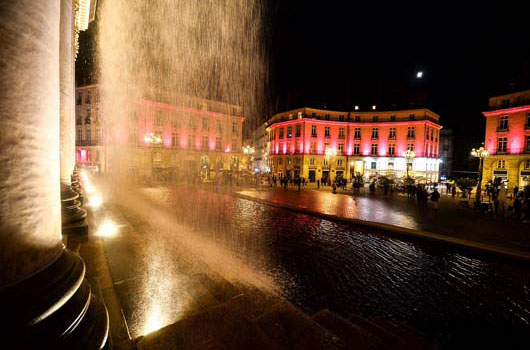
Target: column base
<point>54,309</point>
<point>73,216</point>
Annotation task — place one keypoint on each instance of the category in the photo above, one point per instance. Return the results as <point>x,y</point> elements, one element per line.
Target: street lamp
<point>480,153</point>
<point>409,156</point>
<point>152,138</point>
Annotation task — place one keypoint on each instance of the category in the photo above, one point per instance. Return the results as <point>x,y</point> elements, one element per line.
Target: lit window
<point>392,133</point>
<point>339,162</point>
<point>410,147</point>
<point>289,131</point>
<point>341,148</point>
<point>311,161</point>
<point>392,118</point>
<point>374,148</point>
<point>313,131</point>
<point>356,148</point>
<point>341,133</point>
<point>373,165</point>
<point>410,132</point>
<point>375,133</point>
<point>501,164</point>
<point>391,165</point>
<point>375,118</point>
<point>391,149</point>
<point>357,133</point>
<point>327,132</point>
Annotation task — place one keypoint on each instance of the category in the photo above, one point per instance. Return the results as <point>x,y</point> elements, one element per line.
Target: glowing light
<point>154,320</point>
<point>356,107</point>
<point>227,149</point>
<point>419,74</point>
<point>83,15</point>
<point>95,201</point>
<point>374,107</point>
<point>89,188</point>
<point>107,229</point>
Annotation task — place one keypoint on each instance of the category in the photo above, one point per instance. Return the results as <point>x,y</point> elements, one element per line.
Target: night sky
<point>335,54</point>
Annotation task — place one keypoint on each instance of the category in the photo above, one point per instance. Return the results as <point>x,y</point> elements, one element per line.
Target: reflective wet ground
<point>459,298</point>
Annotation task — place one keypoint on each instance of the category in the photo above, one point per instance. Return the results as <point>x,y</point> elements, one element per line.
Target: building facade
<point>507,139</point>
<point>325,145</point>
<point>446,153</point>
<point>187,137</point>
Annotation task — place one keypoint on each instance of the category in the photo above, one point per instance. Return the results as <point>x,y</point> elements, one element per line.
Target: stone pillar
<point>73,216</point>
<point>44,298</point>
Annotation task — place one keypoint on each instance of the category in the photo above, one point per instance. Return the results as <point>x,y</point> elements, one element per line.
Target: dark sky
<point>341,53</point>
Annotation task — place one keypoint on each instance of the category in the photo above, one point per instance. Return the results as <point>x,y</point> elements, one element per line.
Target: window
<point>313,115</point>
<point>341,148</point>
<point>357,133</point>
<point>505,103</point>
<point>159,119</point>
<point>205,124</point>
<point>391,165</point>
<point>501,164</point>
<point>410,132</point>
<point>217,143</point>
<point>339,162</point>
<point>374,148</point>
<point>392,133</point>
<point>313,131</point>
<point>288,147</point>
<point>234,127</point>
<point>205,142</point>
<point>288,160</point>
<point>281,133</point>
<point>326,147</point>
<point>325,162</point>
<point>311,161</point>
<point>392,118</point>
<point>391,150</point>
<point>432,134</point>
<point>341,133</point>
<point>297,146</point>
<point>297,161</point>
<point>174,140</point>
<point>88,134</point>
<point>327,116</point>
<point>79,135</point>
<point>527,143</point>
<point>234,145</point>
<point>527,164</point>
<point>502,143</point>
<point>313,147</point>
<point>427,133</point>
<point>298,131</point>
<point>375,133</point>
<point>88,96</point>
<point>375,118</point>
<point>503,123</point>
<point>357,118</point>
<point>356,148</point>
<point>373,165</point>
<point>281,148</point>
<point>412,117</point>
<point>280,161</point>
<point>326,132</point>
<point>341,118</point>
<point>410,147</point>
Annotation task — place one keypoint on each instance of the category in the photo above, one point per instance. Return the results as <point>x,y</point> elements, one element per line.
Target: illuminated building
<point>321,144</point>
<point>189,136</point>
<point>508,139</point>
<point>446,152</point>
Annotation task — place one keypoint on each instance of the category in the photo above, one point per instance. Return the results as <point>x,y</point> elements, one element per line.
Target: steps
<point>235,316</point>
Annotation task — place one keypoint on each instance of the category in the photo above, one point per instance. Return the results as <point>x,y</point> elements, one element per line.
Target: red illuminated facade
<point>322,144</point>
<point>190,135</point>
<point>508,139</point>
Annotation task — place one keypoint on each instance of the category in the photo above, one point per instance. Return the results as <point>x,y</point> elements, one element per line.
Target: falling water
<point>168,51</point>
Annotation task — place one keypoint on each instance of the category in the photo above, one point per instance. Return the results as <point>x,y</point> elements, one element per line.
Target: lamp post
<point>409,156</point>
<point>480,153</point>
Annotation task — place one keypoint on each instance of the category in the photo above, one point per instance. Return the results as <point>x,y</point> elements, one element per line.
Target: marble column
<point>44,298</point>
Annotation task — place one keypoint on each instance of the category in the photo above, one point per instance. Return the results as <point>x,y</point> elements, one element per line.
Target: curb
<point>402,231</point>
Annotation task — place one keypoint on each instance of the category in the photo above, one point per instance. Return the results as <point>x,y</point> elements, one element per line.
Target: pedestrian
<point>453,191</point>
<point>318,184</point>
<point>518,206</point>
<point>334,187</point>
<point>515,191</point>
<point>435,197</point>
<point>372,188</point>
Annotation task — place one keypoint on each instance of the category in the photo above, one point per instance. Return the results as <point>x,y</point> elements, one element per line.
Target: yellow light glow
<point>107,229</point>
<point>155,320</point>
<point>89,188</point>
<point>95,200</point>
<point>82,17</point>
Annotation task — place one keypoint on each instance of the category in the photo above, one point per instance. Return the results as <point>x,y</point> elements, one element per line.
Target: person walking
<point>318,184</point>
<point>515,191</point>
<point>518,206</point>
<point>435,198</point>
<point>453,191</point>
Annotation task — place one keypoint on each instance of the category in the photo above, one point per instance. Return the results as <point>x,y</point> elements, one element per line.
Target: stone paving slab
<point>451,223</point>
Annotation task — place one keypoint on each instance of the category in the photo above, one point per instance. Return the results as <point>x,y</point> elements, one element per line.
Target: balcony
<point>502,128</point>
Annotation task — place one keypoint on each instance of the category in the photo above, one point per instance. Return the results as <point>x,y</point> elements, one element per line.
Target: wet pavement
<point>397,209</point>
<point>166,235</point>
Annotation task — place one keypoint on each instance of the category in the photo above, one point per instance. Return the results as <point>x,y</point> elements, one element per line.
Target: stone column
<point>73,216</point>
<point>44,298</point>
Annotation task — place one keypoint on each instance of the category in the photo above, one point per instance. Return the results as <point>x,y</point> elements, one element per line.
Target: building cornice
<point>506,111</point>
